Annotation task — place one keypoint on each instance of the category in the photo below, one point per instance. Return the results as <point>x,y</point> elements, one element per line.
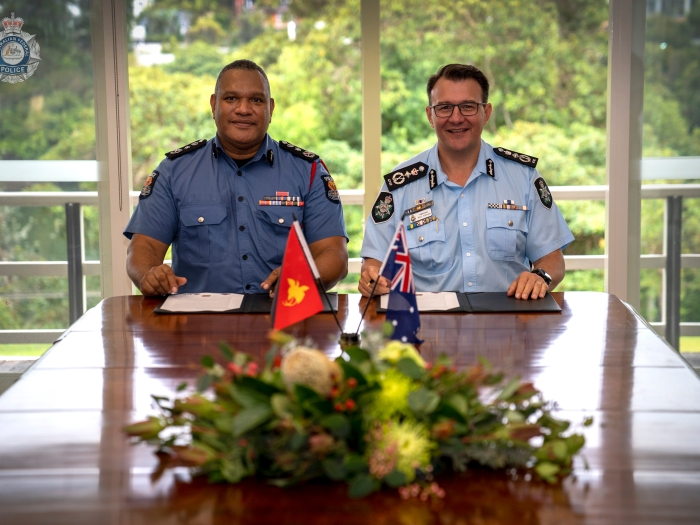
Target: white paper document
<point>430,301</point>
<point>202,302</point>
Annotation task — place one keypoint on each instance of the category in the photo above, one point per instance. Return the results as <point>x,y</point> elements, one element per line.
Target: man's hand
<point>269,283</point>
<point>369,275</point>
<point>528,286</point>
<point>160,280</point>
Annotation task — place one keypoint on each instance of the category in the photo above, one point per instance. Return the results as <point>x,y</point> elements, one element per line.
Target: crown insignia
<point>12,25</point>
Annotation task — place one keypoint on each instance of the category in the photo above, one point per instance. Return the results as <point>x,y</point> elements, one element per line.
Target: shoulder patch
<point>149,185</point>
<point>521,158</point>
<point>308,156</point>
<point>403,176</point>
<point>331,189</point>
<point>543,192</point>
<point>179,152</point>
<point>383,207</point>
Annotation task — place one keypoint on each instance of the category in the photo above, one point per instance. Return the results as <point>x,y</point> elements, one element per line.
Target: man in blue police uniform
<point>478,218</point>
<point>226,204</point>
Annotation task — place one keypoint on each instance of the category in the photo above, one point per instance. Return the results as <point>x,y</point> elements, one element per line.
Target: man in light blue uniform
<point>478,217</point>
<point>226,205</point>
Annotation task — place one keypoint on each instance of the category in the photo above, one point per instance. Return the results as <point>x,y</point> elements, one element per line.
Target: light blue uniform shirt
<point>209,209</point>
<point>471,247</point>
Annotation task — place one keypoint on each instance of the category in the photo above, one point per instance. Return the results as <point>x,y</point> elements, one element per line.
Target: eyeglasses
<point>467,109</point>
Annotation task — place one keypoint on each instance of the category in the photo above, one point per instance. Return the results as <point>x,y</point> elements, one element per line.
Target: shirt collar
<point>261,153</point>
<point>485,152</point>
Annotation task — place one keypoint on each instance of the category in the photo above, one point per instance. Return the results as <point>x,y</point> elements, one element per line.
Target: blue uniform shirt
<point>209,209</point>
<point>470,247</point>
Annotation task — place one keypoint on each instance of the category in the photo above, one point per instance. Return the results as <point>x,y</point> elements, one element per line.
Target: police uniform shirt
<point>471,247</point>
<point>223,239</point>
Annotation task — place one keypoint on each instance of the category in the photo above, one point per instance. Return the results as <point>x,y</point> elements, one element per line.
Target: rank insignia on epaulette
<point>186,149</point>
<point>297,151</point>
<point>490,170</point>
<point>383,207</point>
<point>543,192</point>
<point>150,183</point>
<point>403,176</point>
<point>521,158</point>
<point>432,177</point>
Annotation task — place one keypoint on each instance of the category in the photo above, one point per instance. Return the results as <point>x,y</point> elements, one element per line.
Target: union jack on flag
<point>402,310</point>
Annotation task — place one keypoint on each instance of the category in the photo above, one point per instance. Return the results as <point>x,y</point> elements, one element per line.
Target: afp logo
<point>19,51</point>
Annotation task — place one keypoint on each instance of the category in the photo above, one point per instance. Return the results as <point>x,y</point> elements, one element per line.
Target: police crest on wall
<point>19,51</point>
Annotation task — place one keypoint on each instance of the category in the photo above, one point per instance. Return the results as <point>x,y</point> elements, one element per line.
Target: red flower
<point>339,407</point>
<point>352,382</point>
<point>350,404</point>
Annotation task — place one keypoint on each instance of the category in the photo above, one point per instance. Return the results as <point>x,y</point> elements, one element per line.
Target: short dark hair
<point>457,72</point>
<point>242,64</point>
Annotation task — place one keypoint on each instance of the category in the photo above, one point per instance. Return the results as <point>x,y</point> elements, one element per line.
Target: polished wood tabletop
<point>64,458</point>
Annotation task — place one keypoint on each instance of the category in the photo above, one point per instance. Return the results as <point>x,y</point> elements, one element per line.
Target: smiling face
<point>242,109</point>
<point>458,134</point>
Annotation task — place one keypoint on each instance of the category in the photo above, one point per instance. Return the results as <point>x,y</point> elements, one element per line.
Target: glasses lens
<point>468,109</point>
<point>444,110</point>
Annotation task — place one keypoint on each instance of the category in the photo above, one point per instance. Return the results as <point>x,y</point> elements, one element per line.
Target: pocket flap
<point>202,214</point>
<point>279,216</point>
<point>509,219</point>
<point>423,235</point>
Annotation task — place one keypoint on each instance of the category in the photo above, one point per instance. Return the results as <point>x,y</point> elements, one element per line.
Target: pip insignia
<point>544,193</point>
<point>147,189</point>
<point>19,51</point>
<point>331,189</point>
<point>383,207</point>
<point>297,151</point>
<point>403,176</point>
<point>179,152</point>
<point>521,158</point>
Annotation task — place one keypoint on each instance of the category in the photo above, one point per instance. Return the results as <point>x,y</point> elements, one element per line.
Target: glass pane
<point>47,144</point>
<point>671,140</point>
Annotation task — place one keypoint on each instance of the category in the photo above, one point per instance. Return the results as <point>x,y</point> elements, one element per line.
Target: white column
<point>109,58</point>
<point>624,148</point>
<point>371,108</point>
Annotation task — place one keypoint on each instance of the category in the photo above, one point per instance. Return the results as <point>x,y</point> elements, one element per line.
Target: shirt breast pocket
<point>274,224</point>
<point>204,232</point>
<point>428,248</point>
<point>506,232</point>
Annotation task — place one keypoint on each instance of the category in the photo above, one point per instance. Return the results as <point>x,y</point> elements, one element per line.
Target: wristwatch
<point>547,278</point>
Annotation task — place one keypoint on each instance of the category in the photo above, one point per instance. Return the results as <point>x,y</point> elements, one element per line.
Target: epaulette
<point>521,158</point>
<point>403,176</point>
<point>179,152</point>
<point>308,156</point>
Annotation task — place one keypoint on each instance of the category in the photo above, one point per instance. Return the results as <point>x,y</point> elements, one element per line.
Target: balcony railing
<point>75,268</point>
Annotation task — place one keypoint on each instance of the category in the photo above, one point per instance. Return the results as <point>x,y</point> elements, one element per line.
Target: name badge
<point>419,215</point>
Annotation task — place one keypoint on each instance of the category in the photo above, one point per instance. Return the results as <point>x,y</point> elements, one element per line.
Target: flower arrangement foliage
<point>375,416</point>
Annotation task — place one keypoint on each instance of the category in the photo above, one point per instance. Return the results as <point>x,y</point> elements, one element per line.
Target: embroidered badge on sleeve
<point>147,189</point>
<point>383,207</point>
<point>331,189</point>
<point>544,193</point>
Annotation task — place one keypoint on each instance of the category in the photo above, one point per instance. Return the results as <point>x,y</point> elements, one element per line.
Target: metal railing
<point>75,268</point>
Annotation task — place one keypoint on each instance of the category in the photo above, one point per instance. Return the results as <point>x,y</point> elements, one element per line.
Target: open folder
<point>454,302</point>
<point>229,303</point>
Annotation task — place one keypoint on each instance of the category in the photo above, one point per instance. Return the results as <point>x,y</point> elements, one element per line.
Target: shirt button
<point>245,257</point>
<point>201,219</point>
<point>469,254</point>
<point>462,195</point>
<point>247,287</point>
<point>240,199</point>
<point>420,239</point>
<point>469,284</point>
<point>241,228</point>
<point>280,220</point>
<point>464,224</point>
<point>240,173</point>
<point>510,223</point>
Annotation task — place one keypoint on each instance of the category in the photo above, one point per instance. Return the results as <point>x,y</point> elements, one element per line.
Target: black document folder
<point>258,303</point>
<point>496,302</point>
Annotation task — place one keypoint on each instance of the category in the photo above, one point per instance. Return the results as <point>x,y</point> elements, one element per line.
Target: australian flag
<point>402,311</point>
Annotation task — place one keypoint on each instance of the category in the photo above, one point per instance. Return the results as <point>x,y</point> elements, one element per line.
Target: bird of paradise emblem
<point>295,293</point>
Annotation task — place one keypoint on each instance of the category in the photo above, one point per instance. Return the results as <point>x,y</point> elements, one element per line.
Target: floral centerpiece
<point>375,416</point>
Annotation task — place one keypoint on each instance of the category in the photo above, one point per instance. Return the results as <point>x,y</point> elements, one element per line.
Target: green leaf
<point>355,463</point>
<point>423,401</point>
<point>357,354</point>
<point>250,418</point>
<point>334,469</point>
<point>387,329</point>
<point>338,425</point>
<point>247,397</point>
<point>207,361</point>
<point>257,385</point>
<point>395,479</point>
<point>270,356</point>
<point>574,443</point>
<point>588,421</point>
<point>459,403</point>
<point>409,368</point>
<point>226,351</point>
<point>351,371</point>
<point>281,405</point>
<point>547,471</point>
<point>181,387</point>
<point>297,441</point>
<point>304,393</point>
<point>447,411</point>
<point>204,382</point>
<point>362,485</point>
<point>509,389</point>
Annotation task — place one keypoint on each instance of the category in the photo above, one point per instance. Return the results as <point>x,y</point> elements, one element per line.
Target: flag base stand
<point>349,339</point>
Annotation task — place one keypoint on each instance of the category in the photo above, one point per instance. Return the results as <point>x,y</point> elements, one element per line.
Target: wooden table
<point>64,459</point>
